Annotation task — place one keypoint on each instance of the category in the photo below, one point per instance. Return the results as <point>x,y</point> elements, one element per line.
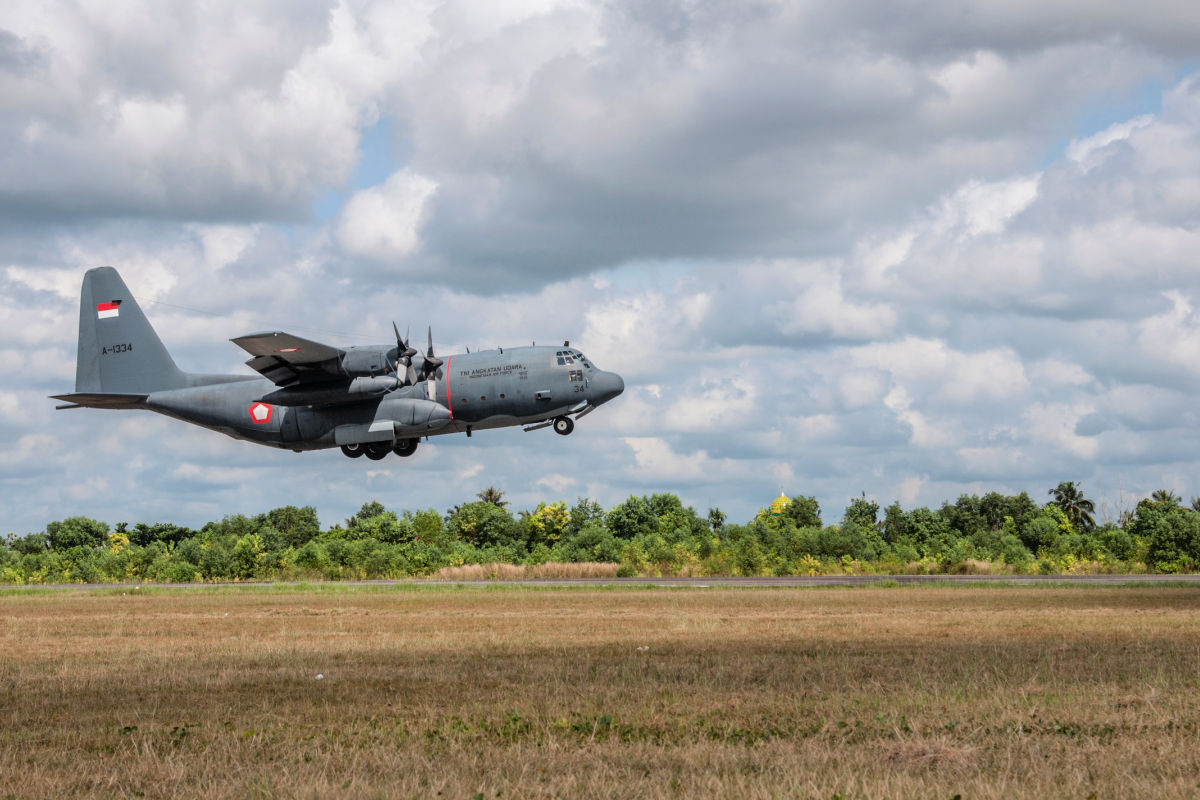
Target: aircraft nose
<point>608,386</point>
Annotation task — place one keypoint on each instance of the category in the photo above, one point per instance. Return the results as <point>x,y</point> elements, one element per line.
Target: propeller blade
<point>405,374</point>
<point>433,364</point>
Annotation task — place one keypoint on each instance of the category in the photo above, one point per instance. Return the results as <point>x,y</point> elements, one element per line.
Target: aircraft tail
<point>119,353</point>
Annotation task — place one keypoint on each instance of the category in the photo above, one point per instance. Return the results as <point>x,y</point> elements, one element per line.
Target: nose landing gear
<point>563,425</point>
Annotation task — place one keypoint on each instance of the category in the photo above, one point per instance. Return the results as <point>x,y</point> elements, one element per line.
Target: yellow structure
<point>780,503</point>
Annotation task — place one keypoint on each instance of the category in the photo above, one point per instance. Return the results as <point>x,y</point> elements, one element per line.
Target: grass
<point>453,693</point>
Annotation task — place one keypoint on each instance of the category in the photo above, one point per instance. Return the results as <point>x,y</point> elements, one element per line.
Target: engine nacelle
<point>367,362</point>
<point>330,394</point>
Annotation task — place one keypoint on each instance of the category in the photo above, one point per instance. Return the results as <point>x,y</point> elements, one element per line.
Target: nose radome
<point>610,385</point>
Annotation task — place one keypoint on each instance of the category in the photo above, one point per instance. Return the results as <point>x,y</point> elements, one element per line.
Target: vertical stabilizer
<point>118,350</point>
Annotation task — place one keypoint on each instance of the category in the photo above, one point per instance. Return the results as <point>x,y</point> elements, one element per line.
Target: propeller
<point>404,354</point>
<point>433,364</point>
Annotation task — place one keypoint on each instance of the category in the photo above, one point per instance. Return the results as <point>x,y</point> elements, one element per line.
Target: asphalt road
<point>696,583</point>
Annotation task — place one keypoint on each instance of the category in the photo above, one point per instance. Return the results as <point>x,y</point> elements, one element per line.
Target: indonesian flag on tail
<point>106,310</point>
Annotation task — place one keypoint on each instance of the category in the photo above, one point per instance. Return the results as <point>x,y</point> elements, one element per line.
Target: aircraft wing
<point>286,359</point>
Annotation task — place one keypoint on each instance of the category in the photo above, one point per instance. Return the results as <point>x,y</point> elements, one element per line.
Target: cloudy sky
<point>906,249</point>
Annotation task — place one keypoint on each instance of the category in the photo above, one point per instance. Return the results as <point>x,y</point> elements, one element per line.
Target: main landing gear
<point>563,425</point>
<point>378,450</point>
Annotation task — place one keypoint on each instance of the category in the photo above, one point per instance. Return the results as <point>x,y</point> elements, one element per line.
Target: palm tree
<point>1079,509</point>
<point>494,496</point>
<point>1196,504</point>
<point>1165,496</point>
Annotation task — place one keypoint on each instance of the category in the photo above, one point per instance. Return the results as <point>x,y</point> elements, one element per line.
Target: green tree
<point>296,526</point>
<point>1171,534</point>
<point>482,524</point>
<point>143,535</point>
<point>370,509</point>
<point>426,526</point>
<point>804,511</point>
<point>76,532</point>
<point>547,523</point>
<point>492,495</point>
<point>585,513</point>
<point>1166,496</point>
<point>861,513</point>
<point>31,544</point>
<point>631,518</point>
<point>895,523</point>
<point>1079,510</point>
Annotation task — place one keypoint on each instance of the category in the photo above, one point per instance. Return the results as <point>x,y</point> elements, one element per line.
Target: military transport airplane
<point>369,400</point>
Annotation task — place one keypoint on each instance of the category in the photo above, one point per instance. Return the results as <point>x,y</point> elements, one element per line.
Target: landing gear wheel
<point>405,447</point>
<point>563,425</point>
<point>377,451</point>
<point>352,450</point>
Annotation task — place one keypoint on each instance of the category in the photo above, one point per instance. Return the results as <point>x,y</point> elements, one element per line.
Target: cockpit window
<point>566,358</point>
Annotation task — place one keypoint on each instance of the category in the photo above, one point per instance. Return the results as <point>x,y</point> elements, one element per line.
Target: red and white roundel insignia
<point>288,350</point>
<point>260,413</point>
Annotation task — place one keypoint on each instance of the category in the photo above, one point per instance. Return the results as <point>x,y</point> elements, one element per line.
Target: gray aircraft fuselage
<point>488,389</point>
<point>368,400</point>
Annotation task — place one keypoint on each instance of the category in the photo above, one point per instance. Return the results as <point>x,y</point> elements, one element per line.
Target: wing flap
<point>286,346</point>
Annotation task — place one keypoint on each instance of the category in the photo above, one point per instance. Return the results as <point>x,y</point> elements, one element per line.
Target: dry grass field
<point>517,692</point>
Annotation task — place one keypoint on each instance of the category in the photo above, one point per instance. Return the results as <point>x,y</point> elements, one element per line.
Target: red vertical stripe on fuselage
<point>449,401</point>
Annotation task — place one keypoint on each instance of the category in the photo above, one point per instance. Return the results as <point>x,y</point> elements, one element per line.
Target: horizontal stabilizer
<point>102,400</point>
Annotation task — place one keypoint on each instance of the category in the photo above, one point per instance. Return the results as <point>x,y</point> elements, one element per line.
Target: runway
<point>790,581</point>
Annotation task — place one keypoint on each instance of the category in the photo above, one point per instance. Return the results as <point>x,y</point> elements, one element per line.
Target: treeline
<point>650,535</point>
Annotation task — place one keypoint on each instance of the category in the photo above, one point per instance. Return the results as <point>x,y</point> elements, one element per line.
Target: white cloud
<point>910,488</point>
<point>925,432</point>
<point>980,208</point>
<point>557,483</point>
<point>718,404</point>
<point>1088,152</point>
<point>822,308</point>
<point>383,222</point>
<point>861,387</point>
<point>1055,372</point>
<point>934,369</point>
<point>1055,423</point>
<point>656,462</point>
<point>1174,336</point>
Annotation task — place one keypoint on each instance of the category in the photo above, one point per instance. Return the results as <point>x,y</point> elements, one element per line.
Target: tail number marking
<point>109,349</point>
